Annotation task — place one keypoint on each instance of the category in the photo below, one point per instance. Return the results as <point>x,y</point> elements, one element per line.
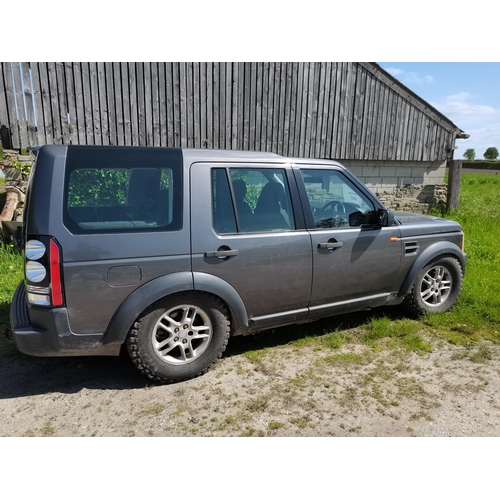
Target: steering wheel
<point>334,206</point>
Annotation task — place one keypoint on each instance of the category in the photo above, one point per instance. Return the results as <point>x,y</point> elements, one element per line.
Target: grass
<point>402,332</point>
<point>11,273</point>
<point>477,313</point>
<point>152,410</point>
<point>346,358</point>
<point>258,404</point>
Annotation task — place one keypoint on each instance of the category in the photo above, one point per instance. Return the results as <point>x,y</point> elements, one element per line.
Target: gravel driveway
<point>286,390</point>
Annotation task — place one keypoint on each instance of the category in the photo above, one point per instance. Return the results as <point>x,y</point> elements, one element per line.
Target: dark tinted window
<point>123,190</point>
<point>257,200</point>
<point>223,210</point>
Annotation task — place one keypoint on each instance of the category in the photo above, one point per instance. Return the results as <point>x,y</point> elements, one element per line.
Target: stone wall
<point>417,198</point>
<point>402,185</point>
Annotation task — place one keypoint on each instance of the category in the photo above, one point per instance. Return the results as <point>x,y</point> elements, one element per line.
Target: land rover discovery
<point>172,251</point>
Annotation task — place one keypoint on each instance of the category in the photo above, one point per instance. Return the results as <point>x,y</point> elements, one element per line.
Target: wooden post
<point>454,177</point>
<point>11,201</point>
<point>15,187</point>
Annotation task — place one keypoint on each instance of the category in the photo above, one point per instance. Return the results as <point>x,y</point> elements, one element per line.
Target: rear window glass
<point>123,190</point>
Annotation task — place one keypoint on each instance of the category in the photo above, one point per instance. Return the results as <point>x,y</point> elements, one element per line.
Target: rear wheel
<point>436,288</point>
<point>179,337</point>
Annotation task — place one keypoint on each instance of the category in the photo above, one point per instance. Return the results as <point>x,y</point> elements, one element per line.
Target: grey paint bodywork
<point>276,278</point>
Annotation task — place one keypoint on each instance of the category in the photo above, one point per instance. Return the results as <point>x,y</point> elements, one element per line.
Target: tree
<point>491,154</point>
<point>470,154</point>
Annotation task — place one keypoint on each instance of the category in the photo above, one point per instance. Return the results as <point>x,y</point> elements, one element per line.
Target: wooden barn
<point>354,112</point>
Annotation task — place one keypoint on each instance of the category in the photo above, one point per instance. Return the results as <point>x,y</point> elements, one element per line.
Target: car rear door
<point>246,231</point>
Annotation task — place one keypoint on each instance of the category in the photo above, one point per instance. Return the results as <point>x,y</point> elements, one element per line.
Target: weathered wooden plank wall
<point>323,110</point>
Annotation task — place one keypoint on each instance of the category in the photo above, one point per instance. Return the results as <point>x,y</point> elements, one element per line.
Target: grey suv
<point>172,251</point>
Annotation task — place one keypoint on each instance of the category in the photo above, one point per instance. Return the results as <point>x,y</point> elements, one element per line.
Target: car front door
<point>353,266</point>
<point>247,234</point>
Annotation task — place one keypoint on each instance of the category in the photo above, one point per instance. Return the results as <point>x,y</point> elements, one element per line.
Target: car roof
<point>225,155</point>
<point>192,155</point>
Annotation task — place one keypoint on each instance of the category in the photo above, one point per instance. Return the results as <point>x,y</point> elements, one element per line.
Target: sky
<point>467,93</point>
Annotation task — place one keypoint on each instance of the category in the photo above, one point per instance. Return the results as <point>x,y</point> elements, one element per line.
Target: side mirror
<point>357,219</point>
<point>380,218</point>
<point>385,217</point>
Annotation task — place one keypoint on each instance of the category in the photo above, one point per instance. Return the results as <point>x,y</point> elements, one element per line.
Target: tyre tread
<point>410,302</point>
<point>132,347</point>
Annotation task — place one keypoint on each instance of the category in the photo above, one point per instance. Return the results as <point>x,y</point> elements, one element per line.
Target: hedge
<point>479,164</point>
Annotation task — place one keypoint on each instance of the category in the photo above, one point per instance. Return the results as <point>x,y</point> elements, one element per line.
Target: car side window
<point>251,200</point>
<point>129,191</point>
<point>224,216</point>
<point>333,198</point>
<point>120,199</point>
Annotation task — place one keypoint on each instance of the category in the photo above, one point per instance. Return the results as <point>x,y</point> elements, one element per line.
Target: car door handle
<point>222,253</point>
<point>329,245</point>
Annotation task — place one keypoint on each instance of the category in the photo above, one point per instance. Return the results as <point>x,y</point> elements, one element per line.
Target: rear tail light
<point>43,272</point>
<point>55,274</point>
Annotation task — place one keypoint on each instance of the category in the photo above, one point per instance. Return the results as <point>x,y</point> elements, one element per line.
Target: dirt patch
<point>287,390</point>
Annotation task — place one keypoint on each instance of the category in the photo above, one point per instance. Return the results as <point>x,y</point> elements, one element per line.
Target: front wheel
<point>179,337</point>
<point>436,288</point>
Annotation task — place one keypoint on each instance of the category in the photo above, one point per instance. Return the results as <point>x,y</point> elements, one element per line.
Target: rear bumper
<point>44,332</point>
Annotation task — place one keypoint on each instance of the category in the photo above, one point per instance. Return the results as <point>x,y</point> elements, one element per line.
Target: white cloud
<point>481,138</point>
<point>410,77</point>
<point>457,107</point>
<point>480,121</point>
<point>394,71</point>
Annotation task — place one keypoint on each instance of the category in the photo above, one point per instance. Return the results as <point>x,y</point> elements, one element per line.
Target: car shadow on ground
<point>291,333</point>
<point>22,375</point>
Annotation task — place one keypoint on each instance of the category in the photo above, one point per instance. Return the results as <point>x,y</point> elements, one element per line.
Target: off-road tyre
<point>430,292</point>
<point>156,326</point>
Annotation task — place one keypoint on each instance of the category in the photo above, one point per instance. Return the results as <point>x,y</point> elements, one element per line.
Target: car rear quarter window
<point>123,190</point>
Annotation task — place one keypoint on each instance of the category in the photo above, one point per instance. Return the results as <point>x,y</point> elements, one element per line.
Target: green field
<point>477,314</point>
<point>475,318</point>
<point>11,273</point>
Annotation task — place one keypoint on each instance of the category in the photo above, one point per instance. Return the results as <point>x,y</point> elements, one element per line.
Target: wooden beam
<point>5,127</point>
<point>454,177</point>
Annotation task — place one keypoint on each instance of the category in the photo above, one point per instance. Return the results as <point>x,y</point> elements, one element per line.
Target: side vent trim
<point>412,247</point>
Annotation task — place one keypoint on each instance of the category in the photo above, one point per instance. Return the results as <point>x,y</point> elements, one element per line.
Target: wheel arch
<point>430,254</point>
<point>140,299</point>
<point>152,291</point>
<point>224,291</point>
